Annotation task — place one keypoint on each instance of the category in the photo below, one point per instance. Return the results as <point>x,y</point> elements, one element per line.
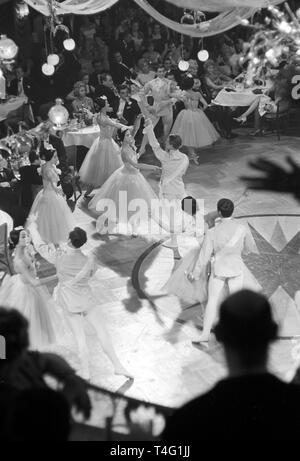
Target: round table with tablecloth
<point>77,142</point>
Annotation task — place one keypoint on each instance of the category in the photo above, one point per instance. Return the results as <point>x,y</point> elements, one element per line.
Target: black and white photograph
<point>149,223</point>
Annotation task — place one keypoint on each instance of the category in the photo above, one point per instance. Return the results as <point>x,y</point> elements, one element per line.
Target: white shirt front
<point>121,108</point>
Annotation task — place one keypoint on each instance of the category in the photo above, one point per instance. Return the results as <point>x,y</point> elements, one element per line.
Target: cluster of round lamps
<point>48,68</point>
<point>203,56</point>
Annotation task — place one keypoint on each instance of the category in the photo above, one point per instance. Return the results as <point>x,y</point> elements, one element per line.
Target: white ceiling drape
<point>221,5</point>
<point>226,20</point>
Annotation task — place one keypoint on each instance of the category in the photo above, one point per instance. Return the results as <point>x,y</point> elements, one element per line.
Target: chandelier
<point>55,26</point>
<point>198,19</point>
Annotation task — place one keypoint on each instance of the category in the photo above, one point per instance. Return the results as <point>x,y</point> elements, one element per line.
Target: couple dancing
<point>128,178</point>
<point>207,273</point>
<point>59,322</point>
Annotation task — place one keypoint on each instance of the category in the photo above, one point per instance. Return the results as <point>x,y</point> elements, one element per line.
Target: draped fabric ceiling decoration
<point>232,11</point>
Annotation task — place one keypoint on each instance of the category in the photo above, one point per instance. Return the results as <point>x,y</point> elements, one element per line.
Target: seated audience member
<point>87,30</point>
<point>174,53</point>
<point>214,82</point>
<point>194,68</point>
<point>127,50</point>
<point>21,85</point>
<point>171,69</point>
<point>158,38</point>
<point>102,50</point>
<point>81,101</point>
<point>145,74</point>
<point>119,71</point>
<point>251,404</point>
<point>9,194</point>
<point>95,77</point>
<point>137,38</point>
<point>89,89</point>
<point>31,181</point>
<point>152,56</point>
<point>268,107</point>
<point>40,414</point>
<point>107,88</point>
<point>26,370</point>
<point>128,109</point>
<point>214,79</point>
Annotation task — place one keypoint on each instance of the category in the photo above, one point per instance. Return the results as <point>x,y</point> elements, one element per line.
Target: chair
<point>6,264</point>
<point>278,121</point>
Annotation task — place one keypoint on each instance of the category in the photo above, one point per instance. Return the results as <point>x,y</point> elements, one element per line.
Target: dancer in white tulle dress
<point>54,217</point>
<point>178,284</point>
<point>192,125</point>
<point>104,157</point>
<point>28,294</point>
<point>123,187</point>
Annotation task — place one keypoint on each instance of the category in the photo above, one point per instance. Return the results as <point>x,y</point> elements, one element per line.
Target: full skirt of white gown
<point>124,180</point>
<point>179,285</point>
<point>197,291</point>
<point>54,218</point>
<point>36,305</point>
<point>195,129</point>
<point>103,158</point>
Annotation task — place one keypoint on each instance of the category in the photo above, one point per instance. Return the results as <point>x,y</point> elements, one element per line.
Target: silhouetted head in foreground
<point>246,329</point>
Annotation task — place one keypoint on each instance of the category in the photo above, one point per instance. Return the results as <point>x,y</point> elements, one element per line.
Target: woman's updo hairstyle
<point>78,237</point>
<point>101,102</point>
<point>187,83</point>
<point>122,134</point>
<point>47,154</point>
<point>77,87</point>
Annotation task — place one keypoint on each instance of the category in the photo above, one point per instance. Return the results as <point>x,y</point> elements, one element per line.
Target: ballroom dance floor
<point>152,331</point>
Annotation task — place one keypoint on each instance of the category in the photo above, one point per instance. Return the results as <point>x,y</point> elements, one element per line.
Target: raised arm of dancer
<point>158,151</point>
<point>204,256</point>
<point>47,251</point>
<point>110,122</point>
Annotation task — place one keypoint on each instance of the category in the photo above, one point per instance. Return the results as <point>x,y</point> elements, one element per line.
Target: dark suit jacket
<point>131,111</point>
<point>29,177</point>
<point>27,85</point>
<point>58,145</point>
<point>95,79</point>
<point>119,73</point>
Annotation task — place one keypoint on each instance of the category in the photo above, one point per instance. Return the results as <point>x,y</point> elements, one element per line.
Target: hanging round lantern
<point>53,59</point>
<point>48,69</point>
<point>183,65</point>
<point>69,44</point>
<point>203,55</point>
<point>58,115</point>
<point>8,49</point>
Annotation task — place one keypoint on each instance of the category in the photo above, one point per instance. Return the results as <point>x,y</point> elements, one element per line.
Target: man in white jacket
<point>74,294</point>
<point>222,248</point>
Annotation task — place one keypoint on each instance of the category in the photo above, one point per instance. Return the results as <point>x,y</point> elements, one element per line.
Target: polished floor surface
<point>151,330</point>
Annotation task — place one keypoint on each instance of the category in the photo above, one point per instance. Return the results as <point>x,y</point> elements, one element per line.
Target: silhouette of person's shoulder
<point>249,407</point>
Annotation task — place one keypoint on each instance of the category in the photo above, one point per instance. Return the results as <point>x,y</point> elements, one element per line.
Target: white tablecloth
<point>239,98</point>
<point>11,105</point>
<point>84,137</point>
